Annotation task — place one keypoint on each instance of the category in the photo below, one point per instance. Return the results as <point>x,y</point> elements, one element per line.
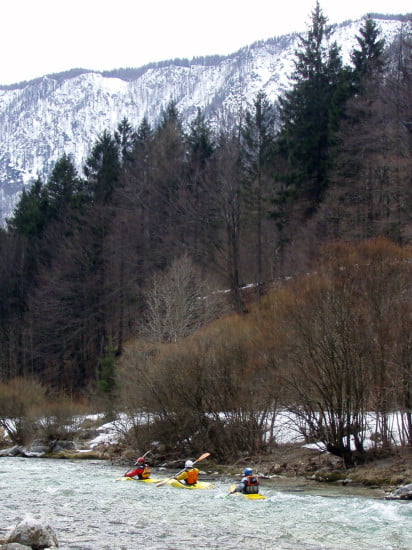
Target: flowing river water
<point>90,509</point>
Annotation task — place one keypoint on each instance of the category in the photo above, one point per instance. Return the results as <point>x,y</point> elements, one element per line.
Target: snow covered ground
<point>285,431</point>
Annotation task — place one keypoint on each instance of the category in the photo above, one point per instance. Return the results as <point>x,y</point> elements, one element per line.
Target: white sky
<point>38,37</point>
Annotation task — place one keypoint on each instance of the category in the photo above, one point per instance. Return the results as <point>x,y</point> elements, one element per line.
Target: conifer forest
<point>193,271</point>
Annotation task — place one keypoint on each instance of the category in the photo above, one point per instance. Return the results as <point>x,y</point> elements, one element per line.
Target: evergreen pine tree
<point>309,111</point>
<point>200,140</point>
<point>368,58</point>
<point>200,192</point>
<point>168,183</point>
<point>257,145</point>
<point>144,134</point>
<point>63,187</point>
<point>102,169</point>
<point>125,138</point>
<point>31,213</point>
<point>169,116</point>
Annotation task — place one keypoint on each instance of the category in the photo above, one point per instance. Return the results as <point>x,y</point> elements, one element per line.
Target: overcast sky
<point>39,37</point>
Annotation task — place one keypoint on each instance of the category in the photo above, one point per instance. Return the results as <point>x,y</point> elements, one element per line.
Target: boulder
<point>27,452</point>
<point>59,446</point>
<point>33,532</point>
<point>37,449</point>
<point>87,434</point>
<point>401,493</point>
<point>16,450</point>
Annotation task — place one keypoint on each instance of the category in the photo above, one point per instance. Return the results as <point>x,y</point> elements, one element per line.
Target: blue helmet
<point>248,471</point>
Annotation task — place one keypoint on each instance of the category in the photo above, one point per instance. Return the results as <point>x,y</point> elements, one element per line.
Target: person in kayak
<point>249,484</point>
<point>190,475</point>
<point>142,470</point>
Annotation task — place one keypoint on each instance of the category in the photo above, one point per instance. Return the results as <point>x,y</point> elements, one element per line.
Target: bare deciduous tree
<point>179,301</point>
<point>339,336</point>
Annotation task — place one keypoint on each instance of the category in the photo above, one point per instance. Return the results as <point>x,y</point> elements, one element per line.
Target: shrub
<point>59,419</point>
<point>20,402</point>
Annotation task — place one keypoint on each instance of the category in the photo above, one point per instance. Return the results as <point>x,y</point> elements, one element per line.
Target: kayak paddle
<point>201,457</point>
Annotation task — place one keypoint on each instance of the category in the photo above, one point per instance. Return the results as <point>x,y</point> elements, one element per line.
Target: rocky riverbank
<point>287,464</point>
<point>383,470</point>
<point>387,470</point>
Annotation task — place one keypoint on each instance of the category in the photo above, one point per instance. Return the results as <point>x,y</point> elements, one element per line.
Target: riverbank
<point>287,464</point>
<point>296,465</point>
<point>288,467</point>
<point>385,471</point>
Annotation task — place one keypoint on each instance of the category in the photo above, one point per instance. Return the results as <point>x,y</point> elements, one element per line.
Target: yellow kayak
<point>171,482</point>
<point>199,485</point>
<point>255,496</point>
<point>148,480</point>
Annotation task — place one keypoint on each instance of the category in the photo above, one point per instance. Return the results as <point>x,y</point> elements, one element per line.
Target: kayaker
<point>249,484</point>
<point>142,470</point>
<point>190,475</point>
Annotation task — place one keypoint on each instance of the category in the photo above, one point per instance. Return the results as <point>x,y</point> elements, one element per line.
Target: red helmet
<point>140,460</point>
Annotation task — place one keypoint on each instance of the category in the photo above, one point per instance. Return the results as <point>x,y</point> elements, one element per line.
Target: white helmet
<point>188,464</point>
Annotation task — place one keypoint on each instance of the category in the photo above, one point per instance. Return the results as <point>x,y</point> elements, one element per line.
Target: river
<point>90,509</point>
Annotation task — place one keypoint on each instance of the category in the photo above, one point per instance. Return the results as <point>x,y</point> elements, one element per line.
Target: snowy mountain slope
<point>42,119</point>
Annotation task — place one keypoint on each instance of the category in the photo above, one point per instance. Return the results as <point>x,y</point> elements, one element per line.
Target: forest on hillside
<point>239,262</point>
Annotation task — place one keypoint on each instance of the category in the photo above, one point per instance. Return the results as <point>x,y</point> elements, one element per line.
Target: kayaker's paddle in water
<point>163,482</point>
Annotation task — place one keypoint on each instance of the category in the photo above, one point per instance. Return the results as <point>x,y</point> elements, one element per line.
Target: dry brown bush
<point>331,346</point>
<point>60,419</point>
<point>206,390</point>
<point>340,336</point>
<point>27,412</point>
<point>20,402</point>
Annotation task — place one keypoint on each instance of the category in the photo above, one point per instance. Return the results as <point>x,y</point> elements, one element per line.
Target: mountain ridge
<point>65,112</point>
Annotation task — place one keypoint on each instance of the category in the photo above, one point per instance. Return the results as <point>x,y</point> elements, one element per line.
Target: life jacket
<point>145,473</point>
<point>252,485</point>
<point>192,476</point>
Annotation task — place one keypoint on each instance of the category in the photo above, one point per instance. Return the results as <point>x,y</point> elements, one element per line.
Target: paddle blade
<point>202,457</point>
<point>161,483</point>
